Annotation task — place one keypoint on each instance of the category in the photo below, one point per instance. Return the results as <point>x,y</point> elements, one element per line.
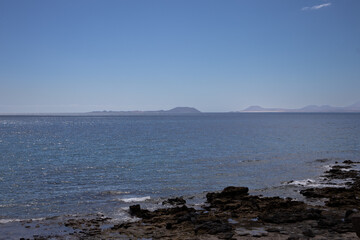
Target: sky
<point>87,55</point>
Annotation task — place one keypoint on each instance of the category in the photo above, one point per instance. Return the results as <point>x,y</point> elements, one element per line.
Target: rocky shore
<point>235,214</point>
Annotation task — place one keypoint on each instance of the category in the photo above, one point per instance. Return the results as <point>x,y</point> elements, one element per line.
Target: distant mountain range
<point>193,111</point>
<point>174,111</point>
<point>310,108</point>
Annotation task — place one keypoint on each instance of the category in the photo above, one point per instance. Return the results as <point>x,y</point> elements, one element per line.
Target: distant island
<point>310,108</point>
<point>173,111</point>
<point>355,108</point>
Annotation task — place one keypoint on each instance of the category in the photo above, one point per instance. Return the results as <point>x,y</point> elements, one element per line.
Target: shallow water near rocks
<point>53,166</point>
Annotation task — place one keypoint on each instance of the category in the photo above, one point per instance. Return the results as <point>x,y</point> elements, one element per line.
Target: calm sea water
<point>67,165</point>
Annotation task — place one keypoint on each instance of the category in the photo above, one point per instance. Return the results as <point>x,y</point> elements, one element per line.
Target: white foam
<point>135,199</point>
<point>305,182</point>
<point>6,205</point>
<point>330,166</point>
<point>3,221</point>
<point>346,169</point>
<point>315,184</point>
<point>122,215</point>
<point>113,192</point>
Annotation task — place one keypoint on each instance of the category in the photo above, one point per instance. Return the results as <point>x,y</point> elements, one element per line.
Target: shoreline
<point>232,213</point>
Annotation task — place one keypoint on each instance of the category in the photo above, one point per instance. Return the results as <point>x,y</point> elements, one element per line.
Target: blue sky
<point>84,55</point>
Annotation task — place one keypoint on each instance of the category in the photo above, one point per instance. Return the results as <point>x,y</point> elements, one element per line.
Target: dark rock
<point>178,211</point>
<point>213,227</point>
<point>272,229</point>
<point>168,226</point>
<point>328,222</point>
<point>186,217</point>
<point>343,228</point>
<point>308,233</point>
<point>228,192</point>
<point>233,191</point>
<point>356,225</point>
<point>312,193</point>
<point>175,201</point>
<point>227,235</point>
<point>343,201</point>
<point>290,215</point>
<point>293,237</point>
<point>356,184</point>
<point>322,192</point>
<point>122,225</point>
<point>336,173</point>
<point>348,162</point>
<point>135,210</point>
<point>348,216</point>
<point>341,167</point>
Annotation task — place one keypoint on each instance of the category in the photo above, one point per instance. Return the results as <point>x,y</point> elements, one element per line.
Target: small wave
<point>135,199</point>
<point>328,167</point>
<point>122,215</point>
<point>7,205</point>
<point>314,183</point>
<point>3,221</point>
<point>305,182</point>
<point>113,192</point>
<point>341,167</point>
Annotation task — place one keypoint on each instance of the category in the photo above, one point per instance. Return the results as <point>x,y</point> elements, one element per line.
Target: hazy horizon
<point>265,109</point>
<point>81,56</point>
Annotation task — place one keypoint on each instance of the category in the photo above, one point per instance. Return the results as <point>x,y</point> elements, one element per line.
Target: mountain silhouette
<point>310,108</point>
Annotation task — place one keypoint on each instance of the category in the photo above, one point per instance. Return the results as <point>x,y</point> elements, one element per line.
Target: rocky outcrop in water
<point>235,214</point>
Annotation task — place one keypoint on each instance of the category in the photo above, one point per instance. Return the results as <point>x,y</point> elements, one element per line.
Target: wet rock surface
<point>175,201</point>
<point>235,214</point>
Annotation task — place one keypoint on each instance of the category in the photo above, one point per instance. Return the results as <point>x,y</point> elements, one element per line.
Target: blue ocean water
<point>53,166</point>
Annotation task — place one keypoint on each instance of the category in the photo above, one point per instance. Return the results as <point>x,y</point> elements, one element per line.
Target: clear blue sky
<point>84,55</point>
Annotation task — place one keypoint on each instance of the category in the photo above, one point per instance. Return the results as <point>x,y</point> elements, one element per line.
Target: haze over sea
<point>52,166</point>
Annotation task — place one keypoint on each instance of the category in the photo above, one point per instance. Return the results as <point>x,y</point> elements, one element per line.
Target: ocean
<point>64,165</point>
